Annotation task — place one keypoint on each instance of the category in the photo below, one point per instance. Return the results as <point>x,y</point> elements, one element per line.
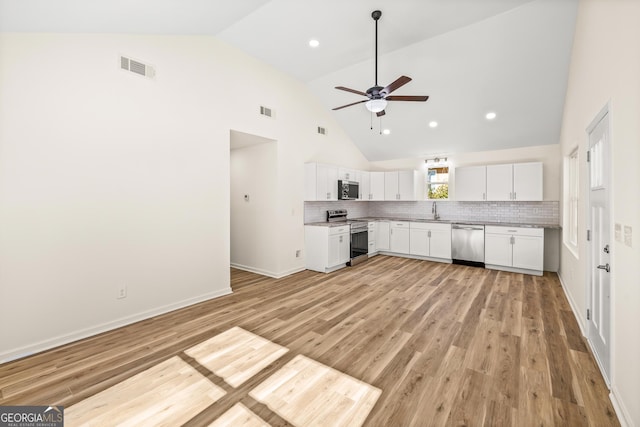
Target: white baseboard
<point>574,307</point>
<point>267,273</point>
<point>621,411</point>
<point>18,353</point>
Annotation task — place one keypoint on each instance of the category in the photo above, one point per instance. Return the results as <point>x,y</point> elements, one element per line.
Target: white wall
<point>549,155</point>
<point>605,67</point>
<point>254,173</point>
<point>109,178</point>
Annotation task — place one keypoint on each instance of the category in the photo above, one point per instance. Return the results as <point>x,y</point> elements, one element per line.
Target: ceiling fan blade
<point>349,105</point>
<point>380,113</point>
<point>407,98</point>
<point>351,90</point>
<point>400,81</point>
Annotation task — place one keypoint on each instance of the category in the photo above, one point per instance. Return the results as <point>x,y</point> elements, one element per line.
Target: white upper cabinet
<point>507,182</point>
<point>345,174</point>
<point>365,185</point>
<point>527,181</point>
<point>391,186</point>
<point>400,185</point>
<point>500,182</point>
<point>518,181</point>
<point>320,182</point>
<point>471,183</point>
<point>376,185</point>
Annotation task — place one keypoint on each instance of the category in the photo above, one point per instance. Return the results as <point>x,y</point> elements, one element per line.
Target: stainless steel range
<point>359,235</point>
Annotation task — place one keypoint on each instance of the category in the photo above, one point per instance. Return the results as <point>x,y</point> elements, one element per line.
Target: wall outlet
<point>298,253</point>
<point>122,292</point>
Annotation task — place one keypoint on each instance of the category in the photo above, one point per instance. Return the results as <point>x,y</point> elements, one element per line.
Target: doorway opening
<point>253,194</point>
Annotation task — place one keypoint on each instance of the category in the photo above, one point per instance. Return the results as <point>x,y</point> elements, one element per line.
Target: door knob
<point>605,267</point>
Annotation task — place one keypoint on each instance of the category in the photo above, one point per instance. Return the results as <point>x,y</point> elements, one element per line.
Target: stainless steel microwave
<point>348,190</point>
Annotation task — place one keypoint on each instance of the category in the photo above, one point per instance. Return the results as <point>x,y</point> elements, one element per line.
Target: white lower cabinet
<point>382,235</point>
<point>430,240</point>
<point>514,249</point>
<point>399,239</point>
<point>371,239</point>
<point>327,248</point>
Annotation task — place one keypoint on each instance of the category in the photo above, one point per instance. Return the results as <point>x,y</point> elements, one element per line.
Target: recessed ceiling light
<point>490,115</point>
<point>433,124</point>
<point>314,43</point>
<point>386,132</point>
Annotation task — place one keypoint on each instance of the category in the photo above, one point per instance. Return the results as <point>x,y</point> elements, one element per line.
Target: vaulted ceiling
<point>470,56</point>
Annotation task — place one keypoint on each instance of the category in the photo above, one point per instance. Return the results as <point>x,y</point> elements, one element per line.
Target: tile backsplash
<point>543,213</point>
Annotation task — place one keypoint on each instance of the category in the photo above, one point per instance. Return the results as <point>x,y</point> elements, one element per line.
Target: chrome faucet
<point>434,211</point>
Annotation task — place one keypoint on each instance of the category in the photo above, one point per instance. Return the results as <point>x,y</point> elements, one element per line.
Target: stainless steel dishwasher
<point>467,244</point>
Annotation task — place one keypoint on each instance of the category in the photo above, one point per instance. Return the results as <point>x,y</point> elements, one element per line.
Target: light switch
<point>618,232</point>
<point>627,235</point>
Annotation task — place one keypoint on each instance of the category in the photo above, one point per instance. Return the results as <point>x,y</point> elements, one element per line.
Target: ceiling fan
<point>378,96</point>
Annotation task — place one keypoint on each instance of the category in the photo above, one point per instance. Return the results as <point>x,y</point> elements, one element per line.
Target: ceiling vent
<point>137,67</point>
<point>266,111</point>
<point>322,131</point>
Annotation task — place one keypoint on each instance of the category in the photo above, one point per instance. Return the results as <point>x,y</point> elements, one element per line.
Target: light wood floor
<point>445,344</point>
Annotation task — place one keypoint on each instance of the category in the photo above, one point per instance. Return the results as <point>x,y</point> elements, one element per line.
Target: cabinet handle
<point>514,195</point>
<point>340,239</point>
<point>484,196</point>
<point>429,234</point>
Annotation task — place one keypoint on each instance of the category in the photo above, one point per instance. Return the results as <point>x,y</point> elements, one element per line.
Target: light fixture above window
<point>376,105</point>
<point>433,124</point>
<point>314,43</point>
<point>490,115</point>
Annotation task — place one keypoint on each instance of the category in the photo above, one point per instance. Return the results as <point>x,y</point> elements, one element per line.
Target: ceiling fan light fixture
<point>376,105</point>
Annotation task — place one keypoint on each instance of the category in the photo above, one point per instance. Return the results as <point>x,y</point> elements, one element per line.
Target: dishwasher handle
<point>467,227</point>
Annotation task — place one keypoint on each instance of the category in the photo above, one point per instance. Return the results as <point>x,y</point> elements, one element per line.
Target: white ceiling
<point>469,56</point>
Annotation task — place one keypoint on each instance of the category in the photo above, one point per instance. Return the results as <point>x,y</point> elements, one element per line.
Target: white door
<point>335,243</point>
<point>399,238</point>
<point>499,182</point>
<point>345,248</point>
<point>527,181</point>
<point>599,245</point>
<point>382,236</point>
<point>440,243</point>
<point>528,252</point>
<point>419,242</point>
<point>364,188</point>
<point>406,190</point>
<point>376,183</point>
<point>471,183</point>
<point>391,186</point>
<point>498,249</point>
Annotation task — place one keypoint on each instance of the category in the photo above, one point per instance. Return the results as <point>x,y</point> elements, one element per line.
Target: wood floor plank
<point>444,344</point>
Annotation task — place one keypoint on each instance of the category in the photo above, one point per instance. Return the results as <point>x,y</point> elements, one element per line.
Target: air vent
<point>322,131</point>
<point>137,67</point>
<point>265,111</point>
